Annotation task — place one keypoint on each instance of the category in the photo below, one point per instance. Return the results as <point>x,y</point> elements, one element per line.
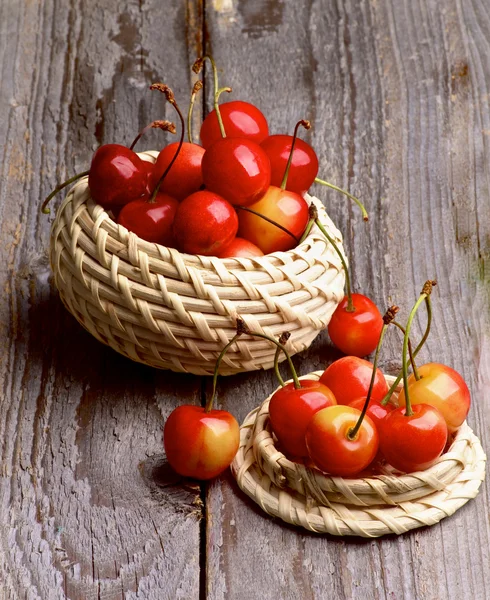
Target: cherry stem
<point>306,125</point>
<point>282,340</point>
<point>257,214</point>
<point>163,125</point>
<point>387,319</point>
<point>410,351</point>
<point>197,86</point>
<point>307,231</point>
<point>241,326</point>
<point>426,291</point>
<point>169,95</point>
<point>365,215</point>
<point>44,207</point>
<point>428,304</point>
<point>217,91</point>
<point>350,305</point>
<point>210,402</point>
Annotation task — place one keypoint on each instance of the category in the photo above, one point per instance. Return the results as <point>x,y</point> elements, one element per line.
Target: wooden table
<point>398,95</point>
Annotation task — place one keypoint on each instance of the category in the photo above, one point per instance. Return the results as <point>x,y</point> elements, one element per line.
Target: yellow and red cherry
<point>304,164</point>
<point>200,442</point>
<point>291,410</point>
<point>205,223</point>
<point>443,388</point>
<point>332,446</point>
<point>285,208</point>
<point>240,120</point>
<point>237,169</point>
<point>185,176</point>
<point>240,248</point>
<point>349,378</point>
<point>151,221</point>
<point>354,328</point>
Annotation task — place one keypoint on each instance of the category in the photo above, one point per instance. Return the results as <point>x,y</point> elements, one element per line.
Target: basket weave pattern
<point>176,311</point>
<point>367,507</point>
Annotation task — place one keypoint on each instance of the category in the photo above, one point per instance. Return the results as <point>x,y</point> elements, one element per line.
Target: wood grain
<point>397,93</point>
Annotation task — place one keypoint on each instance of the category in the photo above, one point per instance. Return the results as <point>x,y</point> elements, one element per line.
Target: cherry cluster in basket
<point>348,423</point>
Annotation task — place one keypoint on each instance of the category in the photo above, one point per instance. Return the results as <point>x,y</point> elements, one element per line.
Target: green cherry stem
<point>196,88</point>
<point>169,95</point>
<point>272,222</point>
<point>394,385</point>
<point>387,319</point>
<point>282,340</point>
<point>198,65</point>
<point>210,402</point>
<point>410,350</point>
<point>306,125</point>
<point>163,125</point>
<point>365,215</point>
<point>44,206</point>
<point>314,214</point>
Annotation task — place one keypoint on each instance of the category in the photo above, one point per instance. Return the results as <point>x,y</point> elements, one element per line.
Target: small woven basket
<point>367,507</point>
<point>176,311</point>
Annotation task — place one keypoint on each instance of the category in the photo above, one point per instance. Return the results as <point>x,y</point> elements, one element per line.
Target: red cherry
<point>413,443</point>
<point>349,378</point>
<point>151,221</point>
<point>240,120</point>
<point>185,176</point>
<point>285,208</point>
<point>376,411</point>
<point>237,169</point>
<point>291,410</point>
<point>240,248</point>
<point>356,333</point>
<point>205,223</point>
<point>117,176</point>
<point>304,164</point>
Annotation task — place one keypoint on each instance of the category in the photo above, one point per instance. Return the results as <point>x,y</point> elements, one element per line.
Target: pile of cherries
<point>346,424</point>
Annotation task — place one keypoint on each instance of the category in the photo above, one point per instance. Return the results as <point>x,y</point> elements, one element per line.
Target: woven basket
<point>367,507</point>
<point>176,311</point>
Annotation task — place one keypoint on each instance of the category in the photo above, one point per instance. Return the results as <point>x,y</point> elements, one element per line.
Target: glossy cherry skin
<point>117,176</point>
<point>413,443</point>
<point>304,165</point>
<point>151,221</point>
<point>329,446</point>
<point>356,333</point>
<point>286,208</point>
<point>375,411</point>
<point>205,223</point>
<point>200,444</point>
<point>443,388</point>
<point>240,120</point>
<point>237,169</point>
<point>185,175</point>
<point>349,378</point>
<point>240,248</point>
<point>291,410</point>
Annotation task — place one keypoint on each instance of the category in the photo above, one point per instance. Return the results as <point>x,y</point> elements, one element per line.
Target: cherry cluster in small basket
<point>349,423</point>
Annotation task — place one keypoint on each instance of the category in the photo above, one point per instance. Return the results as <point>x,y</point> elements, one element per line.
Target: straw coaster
<point>366,507</point>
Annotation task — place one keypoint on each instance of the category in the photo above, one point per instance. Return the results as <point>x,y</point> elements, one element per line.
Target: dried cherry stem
<point>169,95</point>
<point>163,125</point>
<point>306,125</point>
<point>428,304</point>
<point>271,221</point>
<point>196,88</point>
<point>410,351</point>
<point>388,318</point>
<point>282,340</point>
<point>44,206</point>
<point>197,67</point>
<point>314,214</point>
<point>241,326</point>
<point>210,402</point>
<point>365,215</point>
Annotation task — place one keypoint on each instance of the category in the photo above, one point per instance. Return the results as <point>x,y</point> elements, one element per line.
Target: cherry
<point>240,248</point>
<point>205,223</point>
<point>185,176</point>
<point>151,221</point>
<point>375,411</point>
<point>237,169</point>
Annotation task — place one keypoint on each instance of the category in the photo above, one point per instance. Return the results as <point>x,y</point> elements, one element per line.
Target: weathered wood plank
<point>88,508</point>
<point>397,93</point>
